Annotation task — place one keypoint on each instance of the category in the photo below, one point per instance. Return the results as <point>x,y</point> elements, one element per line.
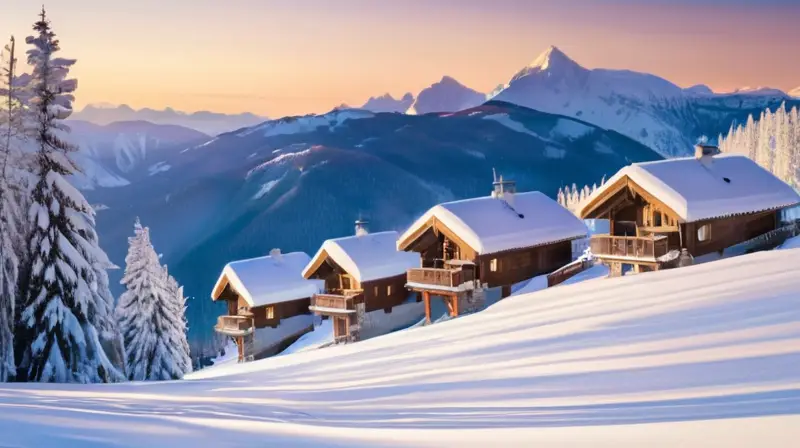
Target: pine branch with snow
<point>58,338</point>
<point>151,313</point>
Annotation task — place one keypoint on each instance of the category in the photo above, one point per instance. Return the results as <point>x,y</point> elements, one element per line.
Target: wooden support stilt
<point>455,305</point>
<point>505,291</point>
<point>426,297</point>
<point>240,346</point>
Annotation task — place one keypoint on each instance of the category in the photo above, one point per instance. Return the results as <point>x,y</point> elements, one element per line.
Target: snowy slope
<point>447,95</point>
<point>710,360</point>
<point>641,106</point>
<point>387,103</point>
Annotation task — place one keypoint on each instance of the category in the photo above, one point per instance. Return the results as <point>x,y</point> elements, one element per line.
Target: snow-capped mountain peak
<point>795,93</point>
<point>387,103</point>
<point>447,95</point>
<point>552,60</point>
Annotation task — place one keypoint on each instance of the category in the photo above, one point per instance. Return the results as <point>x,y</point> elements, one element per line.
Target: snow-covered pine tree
<point>772,142</point>
<point>10,213</point>
<point>180,344</point>
<point>106,323</point>
<point>57,337</point>
<point>151,315</point>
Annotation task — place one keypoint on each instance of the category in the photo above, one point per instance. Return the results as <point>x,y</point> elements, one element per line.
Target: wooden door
<point>340,326</point>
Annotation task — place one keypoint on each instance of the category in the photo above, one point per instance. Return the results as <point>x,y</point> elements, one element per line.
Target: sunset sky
<point>280,57</point>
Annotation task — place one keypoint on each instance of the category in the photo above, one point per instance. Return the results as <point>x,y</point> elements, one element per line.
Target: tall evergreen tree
<point>58,338</point>
<point>151,314</point>
<point>10,213</point>
<point>179,343</point>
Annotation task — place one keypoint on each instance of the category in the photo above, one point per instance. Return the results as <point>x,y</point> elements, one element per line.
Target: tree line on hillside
<point>572,198</point>
<point>58,319</point>
<point>773,142</point>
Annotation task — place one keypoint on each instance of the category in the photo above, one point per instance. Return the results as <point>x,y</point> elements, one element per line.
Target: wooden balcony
<point>642,248</point>
<point>235,325</point>
<point>335,303</point>
<point>443,278</point>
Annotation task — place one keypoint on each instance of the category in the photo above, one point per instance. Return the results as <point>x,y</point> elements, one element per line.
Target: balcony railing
<point>448,278</point>
<point>643,247</point>
<point>234,325</point>
<point>344,302</point>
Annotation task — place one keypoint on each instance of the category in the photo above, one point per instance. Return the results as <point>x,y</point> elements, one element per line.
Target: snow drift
<point>681,357</point>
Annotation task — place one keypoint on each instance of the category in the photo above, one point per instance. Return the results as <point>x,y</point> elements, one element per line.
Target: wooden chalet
<point>363,274</point>
<point>267,303</point>
<point>471,245</point>
<point>695,206</point>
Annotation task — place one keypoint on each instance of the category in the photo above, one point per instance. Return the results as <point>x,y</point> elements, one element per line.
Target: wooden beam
<point>426,297</point>
<point>449,304</point>
<point>455,306</point>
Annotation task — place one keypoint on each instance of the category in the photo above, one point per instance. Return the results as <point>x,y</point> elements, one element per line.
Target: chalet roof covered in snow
<point>268,280</point>
<point>489,225</point>
<point>724,185</point>
<point>366,257</point>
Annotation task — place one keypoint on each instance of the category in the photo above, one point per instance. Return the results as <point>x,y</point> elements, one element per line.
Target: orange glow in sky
<point>281,57</point>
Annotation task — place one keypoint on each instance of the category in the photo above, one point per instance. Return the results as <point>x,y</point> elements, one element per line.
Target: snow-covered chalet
<point>365,277</point>
<point>466,247</point>
<point>692,206</point>
<point>268,303</point>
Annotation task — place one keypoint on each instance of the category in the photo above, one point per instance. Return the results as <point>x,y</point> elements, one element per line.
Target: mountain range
<point>446,95</point>
<point>211,123</point>
<point>294,182</point>
<point>642,106</point>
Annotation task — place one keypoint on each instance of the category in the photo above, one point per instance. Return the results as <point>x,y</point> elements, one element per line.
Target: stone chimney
<point>362,227</point>
<point>504,189</point>
<point>705,153</point>
<point>276,254</point>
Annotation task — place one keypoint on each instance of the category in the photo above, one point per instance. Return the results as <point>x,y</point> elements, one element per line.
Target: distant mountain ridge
<point>211,123</point>
<point>642,106</point>
<point>387,103</point>
<point>115,154</point>
<point>447,95</point>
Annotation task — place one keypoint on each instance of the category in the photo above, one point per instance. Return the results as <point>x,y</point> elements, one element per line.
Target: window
<point>270,312</point>
<point>493,265</point>
<point>389,290</point>
<point>375,291</point>
<point>657,219</point>
<point>704,233</point>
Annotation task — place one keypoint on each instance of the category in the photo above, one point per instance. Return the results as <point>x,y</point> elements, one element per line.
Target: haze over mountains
<point>211,123</point>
